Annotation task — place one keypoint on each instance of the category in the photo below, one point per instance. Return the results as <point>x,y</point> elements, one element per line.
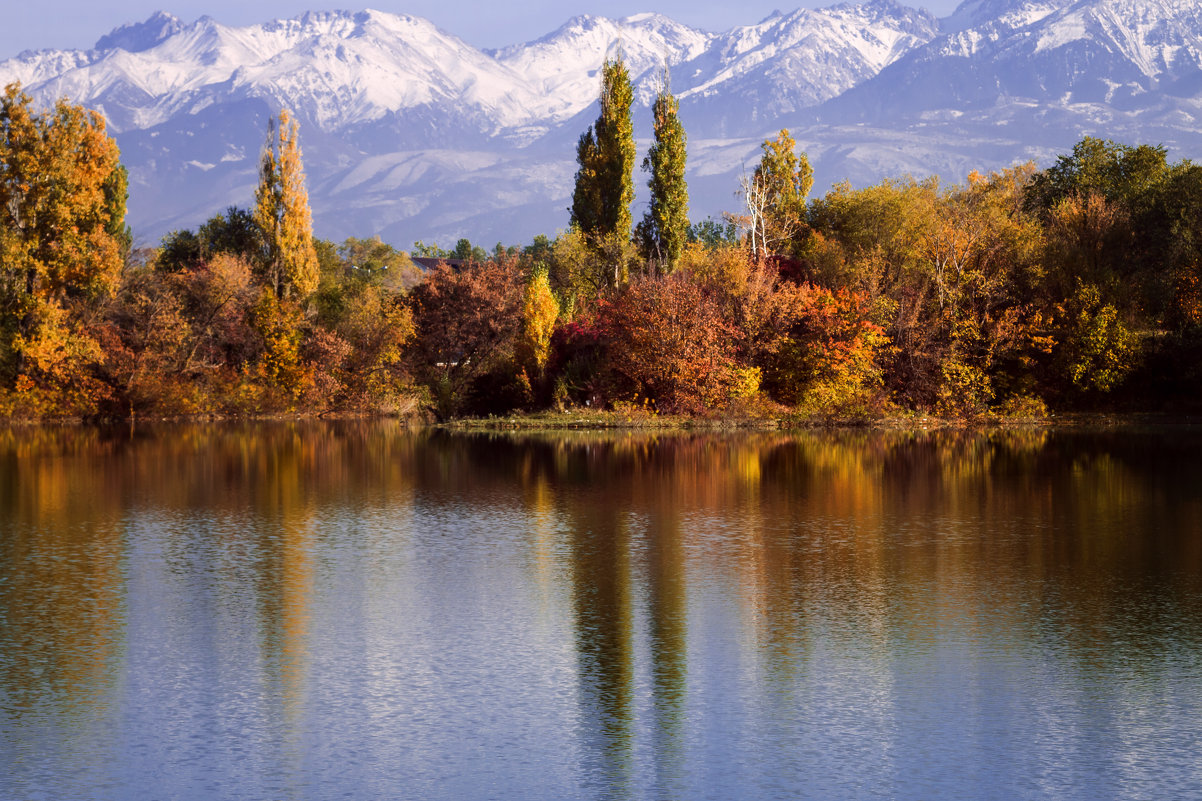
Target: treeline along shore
<point>1018,294</point>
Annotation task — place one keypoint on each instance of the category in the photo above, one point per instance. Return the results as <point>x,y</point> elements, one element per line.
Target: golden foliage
<point>282,213</point>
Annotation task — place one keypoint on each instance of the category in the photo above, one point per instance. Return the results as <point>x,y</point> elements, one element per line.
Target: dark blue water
<point>357,611</point>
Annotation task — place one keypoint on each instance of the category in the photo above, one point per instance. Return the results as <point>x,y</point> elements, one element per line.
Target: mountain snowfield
<point>411,133</point>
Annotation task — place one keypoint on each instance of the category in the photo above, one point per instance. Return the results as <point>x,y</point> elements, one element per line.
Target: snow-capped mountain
<point>412,133</point>
<point>788,62</point>
<point>1121,54</point>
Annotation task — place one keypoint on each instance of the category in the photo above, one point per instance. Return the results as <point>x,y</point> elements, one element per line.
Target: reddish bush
<point>666,339</point>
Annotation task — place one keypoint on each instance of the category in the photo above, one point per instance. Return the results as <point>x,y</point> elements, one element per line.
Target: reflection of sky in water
<point>357,611</point>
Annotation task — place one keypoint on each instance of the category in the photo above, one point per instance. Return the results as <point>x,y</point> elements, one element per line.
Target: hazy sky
<point>36,24</point>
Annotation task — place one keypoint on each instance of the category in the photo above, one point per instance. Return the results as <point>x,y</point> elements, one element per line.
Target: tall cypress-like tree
<point>282,214</point>
<point>605,182</point>
<point>665,227</point>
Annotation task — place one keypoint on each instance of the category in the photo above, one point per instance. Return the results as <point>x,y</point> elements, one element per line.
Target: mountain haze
<point>412,133</point>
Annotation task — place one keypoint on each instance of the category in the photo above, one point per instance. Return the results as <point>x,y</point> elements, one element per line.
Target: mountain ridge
<point>411,133</point>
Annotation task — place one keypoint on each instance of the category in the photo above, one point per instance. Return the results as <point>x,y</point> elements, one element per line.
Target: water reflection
<point>604,621</point>
<point>309,610</point>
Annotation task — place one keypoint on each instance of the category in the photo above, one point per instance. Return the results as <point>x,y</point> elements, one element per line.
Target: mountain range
<point>411,133</point>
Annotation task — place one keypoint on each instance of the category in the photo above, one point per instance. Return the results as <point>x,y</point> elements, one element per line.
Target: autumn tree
<point>540,310</point>
<point>282,213</point>
<point>604,182</point>
<point>1096,350</point>
<point>466,322</point>
<point>820,353</point>
<point>176,341</point>
<point>665,227</point>
<point>62,243</point>
<point>361,325</point>
<point>581,272</point>
<point>667,341</point>
<point>357,349</point>
<point>949,273</point>
<point>775,196</point>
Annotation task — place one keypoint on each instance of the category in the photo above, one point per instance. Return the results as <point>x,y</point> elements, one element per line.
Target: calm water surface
<point>307,611</point>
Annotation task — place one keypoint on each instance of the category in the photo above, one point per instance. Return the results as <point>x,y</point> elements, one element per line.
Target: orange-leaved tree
<point>466,325</point>
<point>667,340</point>
<point>62,244</point>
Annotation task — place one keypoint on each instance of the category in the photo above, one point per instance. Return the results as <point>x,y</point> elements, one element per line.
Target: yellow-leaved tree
<point>282,213</point>
<point>62,245</point>
<point>540,310</point>
<point>288,269</point>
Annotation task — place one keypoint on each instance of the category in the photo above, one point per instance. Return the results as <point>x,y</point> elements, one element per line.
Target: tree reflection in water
<point>588,614</point>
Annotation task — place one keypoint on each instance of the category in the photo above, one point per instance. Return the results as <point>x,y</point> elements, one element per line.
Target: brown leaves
<point>466,322</point>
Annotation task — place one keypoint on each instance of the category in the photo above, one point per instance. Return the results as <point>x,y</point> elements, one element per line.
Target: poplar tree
<point>605,153</point>
<point>665,227</point>
<point>282,214</point>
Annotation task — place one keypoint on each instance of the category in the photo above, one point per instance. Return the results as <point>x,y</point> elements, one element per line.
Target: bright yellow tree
<point>282,213</point>
<point>540,310</point>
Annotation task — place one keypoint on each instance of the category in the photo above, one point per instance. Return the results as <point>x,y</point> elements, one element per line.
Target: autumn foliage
<point>1074,287</point>
<point>666,341</point>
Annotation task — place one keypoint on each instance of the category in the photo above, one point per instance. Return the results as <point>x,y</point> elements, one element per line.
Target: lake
<point>357,610</point>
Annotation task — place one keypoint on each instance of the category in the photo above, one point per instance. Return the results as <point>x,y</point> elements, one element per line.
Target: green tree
<point>604,183</point>
<point>282,214</point>
<point>234,233</point>
<point>432,251</point>
<point>466,251</point>
<point>374,260</point>
<point>665,227</point>
<point>62,244</point>
<point>714,234</point>
<point>1120,173</point>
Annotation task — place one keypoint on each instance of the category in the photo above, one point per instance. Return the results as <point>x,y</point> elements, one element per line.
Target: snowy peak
<point>340,68</point>
<point>138,36</point>
<point>792,61</point>
<point>410,132</point>
<point>1154,37</point>
<point>1064,54</point>
<point>562,67</point>
<point>1008,14</point>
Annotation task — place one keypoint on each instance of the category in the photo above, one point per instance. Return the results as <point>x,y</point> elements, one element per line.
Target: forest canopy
<point>1017,293</point>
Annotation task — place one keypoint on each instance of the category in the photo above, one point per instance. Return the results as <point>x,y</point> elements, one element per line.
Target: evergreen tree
<point>604,182</point>
<point>282,214</point>
<point>665,227</point>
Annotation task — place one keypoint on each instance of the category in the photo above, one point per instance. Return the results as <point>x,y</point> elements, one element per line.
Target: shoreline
<point>589,420</point>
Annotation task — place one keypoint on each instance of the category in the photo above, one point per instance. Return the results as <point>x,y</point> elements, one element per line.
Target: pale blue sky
<point>37,24</point>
